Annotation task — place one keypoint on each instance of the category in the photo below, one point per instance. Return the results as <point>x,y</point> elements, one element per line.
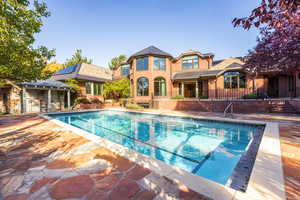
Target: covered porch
<point>45,96</point>
<point>193,89</point>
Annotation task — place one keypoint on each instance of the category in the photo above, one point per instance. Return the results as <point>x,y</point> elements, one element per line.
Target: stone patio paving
<point>40,160</point>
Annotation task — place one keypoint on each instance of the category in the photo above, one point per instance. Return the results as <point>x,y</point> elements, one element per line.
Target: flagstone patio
<point>40,160</point>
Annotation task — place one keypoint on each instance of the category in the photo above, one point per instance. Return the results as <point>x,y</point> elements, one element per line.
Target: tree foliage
<point>278,48</point>
<point>117,89</point>
<point>19,22</point>
<point>116,62</point>
<point>77,58</point>
<point>73,83</point>
<point>51,68</point>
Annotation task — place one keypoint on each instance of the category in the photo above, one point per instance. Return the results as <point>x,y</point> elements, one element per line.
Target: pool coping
<point>266,180</point>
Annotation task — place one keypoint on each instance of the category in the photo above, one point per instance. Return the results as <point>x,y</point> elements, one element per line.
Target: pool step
<point>281,107</point>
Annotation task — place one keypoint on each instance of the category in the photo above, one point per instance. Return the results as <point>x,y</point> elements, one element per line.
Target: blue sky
<point>107,28</point>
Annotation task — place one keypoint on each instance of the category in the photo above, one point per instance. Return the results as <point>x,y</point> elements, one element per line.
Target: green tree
<point>19,22</point>
<point>116,62</point>
<point>117,89</point>
<point>51,68</point>
<point>77,58</point>
<point>73,83</point>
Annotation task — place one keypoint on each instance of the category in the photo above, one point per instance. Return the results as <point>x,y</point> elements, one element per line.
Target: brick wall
<point>240,106</point>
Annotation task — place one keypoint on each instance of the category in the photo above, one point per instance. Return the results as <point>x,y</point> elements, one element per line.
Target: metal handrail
<point>230,105</point>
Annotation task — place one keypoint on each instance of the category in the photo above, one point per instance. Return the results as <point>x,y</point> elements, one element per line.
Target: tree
<point>117,89</point>
<point>73,83</point>
<point>116,62</point>
<point>278,48</point>
<point>77,58</point>
<point>51,68</point>
<point>19,22</point>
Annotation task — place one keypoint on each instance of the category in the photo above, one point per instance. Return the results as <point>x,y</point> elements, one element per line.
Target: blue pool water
<point>209,149</point>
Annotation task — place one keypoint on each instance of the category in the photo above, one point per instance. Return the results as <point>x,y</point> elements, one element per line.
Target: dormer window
<point>159,63</point>
<point>142,63</point>
<point>125,70</point>
<point>190,62</point>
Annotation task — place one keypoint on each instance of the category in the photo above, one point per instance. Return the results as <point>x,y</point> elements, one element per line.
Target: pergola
<point>49,86</point>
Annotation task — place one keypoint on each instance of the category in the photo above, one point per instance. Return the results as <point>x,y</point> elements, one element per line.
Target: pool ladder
<point>229,106</point>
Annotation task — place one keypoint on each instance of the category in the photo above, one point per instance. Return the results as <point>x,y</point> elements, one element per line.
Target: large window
<point>160,87</point>
<point>142,86</point>
<point>125,70</point>
<point>97,89</point>
<point>190,62</point>
<point>88,87</point>
<point>159,63</point>
<point>142,63</point>
<point>93,88</point>
<point>234,80</point>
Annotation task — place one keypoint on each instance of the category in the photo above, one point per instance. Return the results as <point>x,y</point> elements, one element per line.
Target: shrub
<point>203,97</point>
<point>133,106</point>
<point>252,96</point>
<point>96,100</point>
<point>178,97</point>
<point>82,100</point>
<point>123,102</point>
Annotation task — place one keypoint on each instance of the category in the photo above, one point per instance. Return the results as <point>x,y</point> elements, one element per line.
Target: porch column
<point>49,100</point>
<point>197,95</point>
<point>182,89</point>
<point>23,106</point>
<point>69,99</point>
<point>92,87</point>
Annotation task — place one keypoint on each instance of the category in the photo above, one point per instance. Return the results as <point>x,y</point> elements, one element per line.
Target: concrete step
<point>281,107</point>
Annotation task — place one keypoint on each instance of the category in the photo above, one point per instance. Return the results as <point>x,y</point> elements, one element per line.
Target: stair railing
<point>229,106</point>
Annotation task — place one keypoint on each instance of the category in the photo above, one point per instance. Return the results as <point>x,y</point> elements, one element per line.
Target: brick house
<point>90,78</point>
<point>155,74</point>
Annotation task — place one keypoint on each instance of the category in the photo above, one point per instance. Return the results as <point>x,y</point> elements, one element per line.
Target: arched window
<point>142,86</point>
<point>234,80</point>
<point>160,87</point>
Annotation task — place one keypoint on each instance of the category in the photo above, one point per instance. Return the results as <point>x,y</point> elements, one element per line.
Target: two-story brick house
<point>155,74</point>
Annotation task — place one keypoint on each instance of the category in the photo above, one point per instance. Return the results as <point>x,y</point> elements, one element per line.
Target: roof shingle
<point>151,50</point>
<point>46,83</point>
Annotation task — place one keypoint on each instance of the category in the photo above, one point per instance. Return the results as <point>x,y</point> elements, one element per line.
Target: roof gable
<point>85,72</point>
<point>151,50</point>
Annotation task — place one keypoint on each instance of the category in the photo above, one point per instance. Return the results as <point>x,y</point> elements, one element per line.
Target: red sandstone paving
<point>27,141</point>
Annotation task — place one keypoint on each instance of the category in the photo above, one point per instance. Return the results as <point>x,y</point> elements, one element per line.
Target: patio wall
<point>240,106</point>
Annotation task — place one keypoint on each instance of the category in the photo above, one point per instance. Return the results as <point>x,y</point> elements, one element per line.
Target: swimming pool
<point>210,149</point>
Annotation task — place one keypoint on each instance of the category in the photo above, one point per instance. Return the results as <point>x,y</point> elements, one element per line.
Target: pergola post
<point>69,99</point>
<point>49,100</point>
<point>24,100</point>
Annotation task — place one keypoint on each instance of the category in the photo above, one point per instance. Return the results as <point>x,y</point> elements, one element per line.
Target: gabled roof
<point>46,83</point>
<point>151,50</point>
<point>84,71</point>
<point>218,69</point>
<point>234,65</point>
<point>227,63</point>
<point>216,62</point>
<point>194,52</point>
